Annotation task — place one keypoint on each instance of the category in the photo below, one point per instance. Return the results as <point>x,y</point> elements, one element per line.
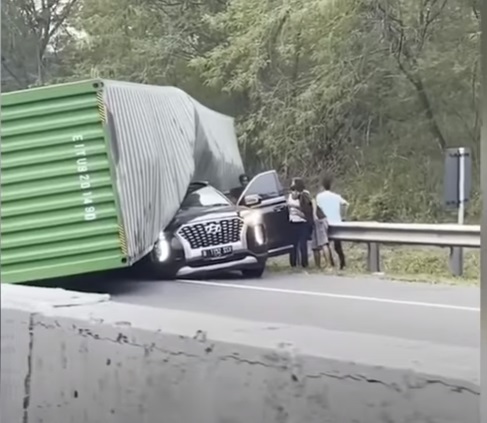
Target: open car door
<point>265,193</point>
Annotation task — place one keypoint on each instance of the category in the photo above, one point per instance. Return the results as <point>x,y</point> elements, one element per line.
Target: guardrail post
<point>456,261</point>
<point>373,257</point>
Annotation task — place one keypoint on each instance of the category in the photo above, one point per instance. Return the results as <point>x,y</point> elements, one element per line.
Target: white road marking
<point>329,295</point>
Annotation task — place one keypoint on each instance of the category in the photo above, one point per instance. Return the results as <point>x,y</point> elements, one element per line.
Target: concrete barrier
<point>80,358</point>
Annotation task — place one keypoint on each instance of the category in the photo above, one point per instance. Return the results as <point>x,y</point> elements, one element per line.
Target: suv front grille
<point>211,234</point>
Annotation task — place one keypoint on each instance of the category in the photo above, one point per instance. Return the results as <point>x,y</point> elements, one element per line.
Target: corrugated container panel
<point>162,140</point>
<point>60,214</point>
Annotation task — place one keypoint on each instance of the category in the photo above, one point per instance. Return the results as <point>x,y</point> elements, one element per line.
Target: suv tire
<point>160,270</point>
<point>254,273</point>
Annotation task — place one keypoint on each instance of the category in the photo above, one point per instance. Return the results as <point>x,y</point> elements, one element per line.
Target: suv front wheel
<point>254,273</point>
<point>161,270</point>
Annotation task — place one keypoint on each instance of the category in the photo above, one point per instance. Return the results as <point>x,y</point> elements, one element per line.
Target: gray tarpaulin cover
<point>162,139</point>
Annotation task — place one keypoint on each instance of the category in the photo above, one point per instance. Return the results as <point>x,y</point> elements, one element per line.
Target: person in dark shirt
<point>301,221</point>
<point>236,192</point>
<point>244,180</point>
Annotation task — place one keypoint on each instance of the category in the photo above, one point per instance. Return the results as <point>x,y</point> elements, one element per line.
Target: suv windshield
<point>205,197</point>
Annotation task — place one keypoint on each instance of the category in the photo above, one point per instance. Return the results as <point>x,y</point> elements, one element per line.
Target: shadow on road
<point>114,282</point>
<point>118,282</point>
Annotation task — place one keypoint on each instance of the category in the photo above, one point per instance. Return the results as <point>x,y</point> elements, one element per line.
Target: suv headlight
<point>259,234</point>
<point>251,217</point>
<point>163,248</point>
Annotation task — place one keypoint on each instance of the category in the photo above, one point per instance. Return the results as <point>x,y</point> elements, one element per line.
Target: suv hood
<point>195,214</point>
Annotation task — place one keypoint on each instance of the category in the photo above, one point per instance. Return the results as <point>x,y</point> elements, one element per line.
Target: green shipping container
<point>91,172</point>
<point>60,211</point>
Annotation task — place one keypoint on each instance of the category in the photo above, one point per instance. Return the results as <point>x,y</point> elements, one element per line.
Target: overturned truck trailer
<point>92,171</point>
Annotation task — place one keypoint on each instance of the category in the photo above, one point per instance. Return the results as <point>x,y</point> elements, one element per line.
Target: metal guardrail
<point>373,234</point>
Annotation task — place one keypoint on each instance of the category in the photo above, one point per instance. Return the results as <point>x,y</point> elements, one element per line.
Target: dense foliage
<point>372,90</point>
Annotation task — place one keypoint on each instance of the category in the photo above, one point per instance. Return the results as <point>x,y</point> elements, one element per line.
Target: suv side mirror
<point>252,200</point>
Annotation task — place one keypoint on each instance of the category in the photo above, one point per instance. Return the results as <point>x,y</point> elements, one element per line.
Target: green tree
<point>33,35</point>
<point>299,64</point>
<point>373,90</point>
<point>358,87</point>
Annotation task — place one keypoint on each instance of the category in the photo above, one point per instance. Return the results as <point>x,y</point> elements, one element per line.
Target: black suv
<point>212,233</point>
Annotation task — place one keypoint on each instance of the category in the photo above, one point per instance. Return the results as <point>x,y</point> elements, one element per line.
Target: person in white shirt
<point>332,205</point>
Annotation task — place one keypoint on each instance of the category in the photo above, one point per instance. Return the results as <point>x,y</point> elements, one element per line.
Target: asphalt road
<point>436,313</point>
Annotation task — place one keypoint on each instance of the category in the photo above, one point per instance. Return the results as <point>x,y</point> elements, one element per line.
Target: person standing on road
<point>332,205</point>
<point>301,213</point>
<point>319,240</point>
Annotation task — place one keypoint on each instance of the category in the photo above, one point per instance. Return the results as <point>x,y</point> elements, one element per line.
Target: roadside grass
<point>414,264</point>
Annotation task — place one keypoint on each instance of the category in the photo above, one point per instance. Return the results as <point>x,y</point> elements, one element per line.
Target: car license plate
<point>218,252</point>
